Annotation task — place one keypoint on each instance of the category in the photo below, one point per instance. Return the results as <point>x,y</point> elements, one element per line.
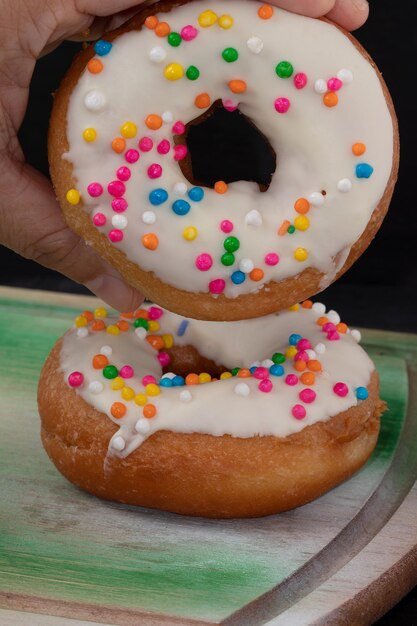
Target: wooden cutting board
<point>344,559</point>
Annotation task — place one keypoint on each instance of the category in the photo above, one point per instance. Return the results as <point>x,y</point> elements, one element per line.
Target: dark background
<point>380,290</point>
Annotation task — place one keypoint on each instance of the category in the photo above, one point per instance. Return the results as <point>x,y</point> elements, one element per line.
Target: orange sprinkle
<point>162,29</point>
<point>314,365</point>
<point>358,148</point>
<point>100,361</point>
<point>283,228</point>
<point>202,101</point>
<point>265,12</point>
<point>220,186</point>
<point>118,144</point>
<point>256,274</point>
<point>150,241</point>
<point>308,378</point>
<point>322,320</point>
<point>149,411</point>
<point>300,365</point>
<point>342,328</point>
<point>98,325</point>
<point>118,410</point>
<point>122,325</point>
<point>302,205</point>
<point>192,379</point>
<point>155,341</point>
<point>128,315</point>
<point>151,22</point>
<point>142,313</point>
<point>307,304</point>
<point>88,315</point>
<point>330,99</point>
<point>243,373</point>
<point>154,122</point>
<point>237,86</point>
<point>95,66</point>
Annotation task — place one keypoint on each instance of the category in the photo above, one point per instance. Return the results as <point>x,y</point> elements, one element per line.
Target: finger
<point>350,14</point>
<point>102,8</point>
<point>32,225</point>
<point>311,8</point>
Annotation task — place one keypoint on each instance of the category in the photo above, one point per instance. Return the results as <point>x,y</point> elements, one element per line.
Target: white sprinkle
<point>148,217</point>
<point>180,189</point>
<point>169,375</point>
<point>94,100</point>
<point>320,86</point>
<point>142,426</point>
<point>344,185</point>
<point>96,387</point>
<point>255,364</point>
<point>167,117</point>
<point>140,332</point>
<point>246,265</point>
<point>118,443</point>
<point>320,348</point>
<point>106,350</point>
<point>255,44</point>
<point>82,332</point>
<point>253,218</point>
<point>333,316</point>
<point>356,334</point>
<point>267,363</point>
<point>242,389</point>
<point>185,396</point>
<point>316,198</point>
<point>311,354</point>
<point>119,221</point>
<point>319,307</point>
<point>157,54</point>
<point>346,76</point>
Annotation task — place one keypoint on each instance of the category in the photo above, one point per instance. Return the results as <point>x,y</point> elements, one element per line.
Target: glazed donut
<point>121,170</point>
<point>249,419</point>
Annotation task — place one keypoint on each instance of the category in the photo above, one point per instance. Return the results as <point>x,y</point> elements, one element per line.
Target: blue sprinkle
<point>165,382</point>
<point>102,47</point>
<point>252,369</point>
<point>294,339</point>
<point>361,393</point>
<point>182,328</point>
<point>178,381</point>
<point>158,196</point>
<point>276,370</point>
<point>196,194</point>
<point>364,170</point>
<point>238,277</point>
<point>181,207</point>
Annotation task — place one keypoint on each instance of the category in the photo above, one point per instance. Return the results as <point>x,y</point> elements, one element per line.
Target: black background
<point>380,290</point>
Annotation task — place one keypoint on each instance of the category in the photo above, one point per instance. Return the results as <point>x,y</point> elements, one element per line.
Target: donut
<point>123,169</point>
<point>209,418</point>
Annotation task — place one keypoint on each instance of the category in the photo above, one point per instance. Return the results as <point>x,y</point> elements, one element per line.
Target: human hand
<point>31,221</point>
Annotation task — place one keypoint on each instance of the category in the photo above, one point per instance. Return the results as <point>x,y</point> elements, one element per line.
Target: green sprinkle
<point>235,371</point>
<point>110,371</point>
<point>278,358</point>
<point>174,39</point>
<point>291,229</point>
<point>228,258</point>
<point>284,69</point>
<point>192,72</point>
<point>231,244</point>
<point>230,55</point>
<point>140,322</point>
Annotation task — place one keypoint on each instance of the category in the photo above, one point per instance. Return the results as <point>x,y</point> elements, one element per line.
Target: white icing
<point>233,405</point>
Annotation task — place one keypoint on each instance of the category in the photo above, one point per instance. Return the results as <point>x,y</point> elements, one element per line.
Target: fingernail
<point>115,292</point>
<point>360,5</point>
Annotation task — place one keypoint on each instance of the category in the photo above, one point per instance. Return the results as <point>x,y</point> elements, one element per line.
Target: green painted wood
<point>59,543</point>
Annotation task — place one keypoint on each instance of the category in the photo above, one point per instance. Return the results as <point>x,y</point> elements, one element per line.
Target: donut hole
<point>226,146</point>
<point>187,360</point>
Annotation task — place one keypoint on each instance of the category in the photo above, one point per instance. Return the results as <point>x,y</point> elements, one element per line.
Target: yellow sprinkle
<point>294,307</point>
<point>141,399</point>
<point>174,71</point>
<point>100,313</point>
<point>128,130</point>
<point>207,18</point>
<point>90,134</point>
<point>225,375</point>
<point>300,254</point>
<point>128,393</point>
<point>73,196</point>
<point>112,329</point>
<point>168,340</point>
<point>152,389</point>
<point>117,383</point>
<point>225,21</point>
<point>291,352</point>
<point>81,321</point>
<point>153,326</point>
<point>301,222</point>
<point>190,233</point>
<point>204,377</point>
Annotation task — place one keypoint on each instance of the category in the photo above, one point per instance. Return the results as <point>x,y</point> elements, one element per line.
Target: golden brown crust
<point>274,296</point>
<point>203,475</point>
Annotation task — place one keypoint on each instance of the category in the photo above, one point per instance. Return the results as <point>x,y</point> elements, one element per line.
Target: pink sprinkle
<point>178,128</point>
<point>99,219</point>
<point>126,371</point>
<point>115,235</point>
<point>75,379</point>
<point>229,105</point>
<point>307,395</point>
<point>341,389</point>
<point>116,188</point>
<point>95,190</point>
<point>119,205</point>
<point>334,84</point>
<point>204,262</point>
<point>164,358</point>
<point>300,80</point>
<point>155,312</point>
<point>302,356</point>
<point>226,226</point>
<point>282,105</point>
<point>180,152</point>
<point>163,146</point>
<point>303,344</point>
<point>217,285</point>
<point>132,155</point>
<point>291,379</point>
<point>123,173</point>
<point>148,380</point>
<point>188,33</point>
<point>154,170</point>
<point>333,335</point>
<point>265,385</point>
<point>298,411</point>
<point>271,258</point>
<point>261,373</point>
<point>145,144</point>
<point>328,327</point>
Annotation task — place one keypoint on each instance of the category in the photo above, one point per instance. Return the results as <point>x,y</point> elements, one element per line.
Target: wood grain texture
<point>64,553</point>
